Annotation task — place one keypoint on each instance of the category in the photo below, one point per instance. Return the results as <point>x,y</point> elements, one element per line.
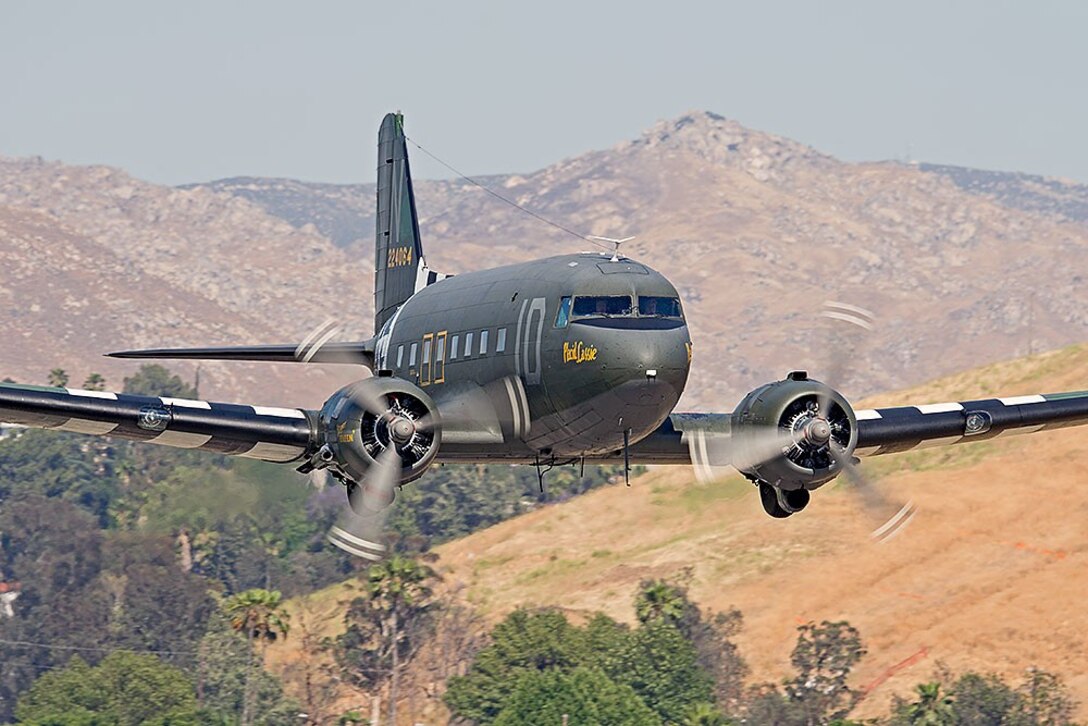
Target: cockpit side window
<point>562,317</point>
<point>612,306</point>
<point>659,307</point>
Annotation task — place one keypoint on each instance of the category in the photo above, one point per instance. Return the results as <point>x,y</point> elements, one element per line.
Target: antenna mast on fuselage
<point>615,242</point>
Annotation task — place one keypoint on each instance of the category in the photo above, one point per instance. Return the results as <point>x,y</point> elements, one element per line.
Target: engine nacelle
<point>793,434</point>
<point>362,421</point>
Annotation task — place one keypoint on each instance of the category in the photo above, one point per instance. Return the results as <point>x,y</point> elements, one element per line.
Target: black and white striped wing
<point>278,435</point>
<point>891,430</point>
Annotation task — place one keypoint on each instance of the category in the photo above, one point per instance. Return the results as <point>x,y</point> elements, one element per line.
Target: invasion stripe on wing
<point>186,403</point>
<point>180,439</point>
<point>940,407</point>
<point>1022,400</point>
<point>281,412</point>
<point>867,414</point>
<point>92,394</point>
<point>84,426</point>
<point>280,453</point>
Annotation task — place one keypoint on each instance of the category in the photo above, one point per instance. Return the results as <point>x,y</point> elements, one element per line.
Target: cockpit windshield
<point>659,307</point>
<point>606,305</point>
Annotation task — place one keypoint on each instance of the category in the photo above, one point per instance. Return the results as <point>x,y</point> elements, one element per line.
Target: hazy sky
<point>195,90</point>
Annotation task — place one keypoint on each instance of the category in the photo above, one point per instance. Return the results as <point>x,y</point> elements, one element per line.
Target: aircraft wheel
<point>769,498</point>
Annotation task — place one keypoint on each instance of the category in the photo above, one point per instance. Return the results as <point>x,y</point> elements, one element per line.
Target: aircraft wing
<point>891,430</point>
<point>320,352</point>
<point>703,439</point>
<point>278,435</point>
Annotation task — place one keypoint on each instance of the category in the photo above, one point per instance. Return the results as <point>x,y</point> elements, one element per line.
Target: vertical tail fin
<point>399,252</point>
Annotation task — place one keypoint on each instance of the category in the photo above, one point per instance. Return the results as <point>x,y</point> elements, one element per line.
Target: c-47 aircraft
<point>573,358</point>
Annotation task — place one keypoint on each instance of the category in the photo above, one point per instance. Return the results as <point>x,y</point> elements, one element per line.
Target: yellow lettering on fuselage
<point>399,257</point>
<point>579,352</point>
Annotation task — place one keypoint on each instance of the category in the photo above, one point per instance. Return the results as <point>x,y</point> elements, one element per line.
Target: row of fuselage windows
<point>476,344</point>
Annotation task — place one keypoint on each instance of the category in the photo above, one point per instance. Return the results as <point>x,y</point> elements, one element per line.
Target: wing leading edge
<point>279,435</point>
<point>891,430</point>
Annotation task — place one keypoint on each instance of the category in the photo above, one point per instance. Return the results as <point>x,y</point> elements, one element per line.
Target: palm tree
<point>658,599</point>
<point>259,615</point>
<point>932,707</point>
<point>58,378</point>
<point>95,382</point>
<point>399,589</point>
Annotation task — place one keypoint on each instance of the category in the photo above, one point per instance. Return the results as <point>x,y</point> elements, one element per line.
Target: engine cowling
<point>361,421</point>
<point>793,434</point>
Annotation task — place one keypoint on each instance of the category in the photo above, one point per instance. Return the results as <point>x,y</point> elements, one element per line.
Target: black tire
<point>769,499</point>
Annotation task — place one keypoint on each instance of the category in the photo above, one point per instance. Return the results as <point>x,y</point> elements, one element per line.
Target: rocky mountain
<point>961,267</point>
<point>94,260</point>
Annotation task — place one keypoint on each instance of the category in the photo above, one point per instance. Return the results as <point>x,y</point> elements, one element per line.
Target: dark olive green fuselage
<point>562,390</point>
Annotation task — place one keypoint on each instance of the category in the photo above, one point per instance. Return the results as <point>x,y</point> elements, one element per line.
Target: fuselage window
<point>427,351</point>
<point>563,316</point>
<point>400,356</point>
<point>500,340</point>
<point>468,345</point>
<point>453,347</point>
<point>412,355</point>
<point>659,307</point>
<point>609,306</point>
<point>483,342</point>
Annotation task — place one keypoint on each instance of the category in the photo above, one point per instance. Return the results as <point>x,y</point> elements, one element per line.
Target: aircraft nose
<point>650,365</point>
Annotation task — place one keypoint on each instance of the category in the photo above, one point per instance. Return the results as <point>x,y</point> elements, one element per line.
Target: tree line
<point>117,545</point>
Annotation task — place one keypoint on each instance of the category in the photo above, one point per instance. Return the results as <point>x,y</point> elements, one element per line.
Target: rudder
<point>398,249</point>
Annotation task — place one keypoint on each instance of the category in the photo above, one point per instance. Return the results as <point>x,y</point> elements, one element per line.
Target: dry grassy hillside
<point>989,576</point>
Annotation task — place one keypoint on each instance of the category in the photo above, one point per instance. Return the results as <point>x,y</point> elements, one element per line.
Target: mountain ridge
<point>754,229</point>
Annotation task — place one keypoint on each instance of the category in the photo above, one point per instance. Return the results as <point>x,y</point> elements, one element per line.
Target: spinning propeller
<point>850,326</point>
<point>793,436</point>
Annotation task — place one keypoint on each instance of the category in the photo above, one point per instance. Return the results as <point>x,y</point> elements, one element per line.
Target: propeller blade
<point>360,528</point>
<point>850,325</point>
<point>892,516</point>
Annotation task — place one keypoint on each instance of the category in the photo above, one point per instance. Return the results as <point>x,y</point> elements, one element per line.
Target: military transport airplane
<point>572,358</point>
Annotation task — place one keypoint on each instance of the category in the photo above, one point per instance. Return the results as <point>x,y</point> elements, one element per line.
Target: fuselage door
<point>530,327</point>
<point>425,361</point>
<point>440,357</point>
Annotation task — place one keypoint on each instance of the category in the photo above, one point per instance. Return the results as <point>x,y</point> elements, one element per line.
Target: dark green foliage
<point>1043,699</point>
<point>387,625</point>
<point>58,378</point>
<point>662,667</point>
<point>975,699</point>
<point>657,662</point>
<point>55,551</point>
<point>705,714</point>
<point>583,696</point>
<point>224,663</point>
<point>979,700</point>
<point>74,468</point>
<point>155,380</point>
<point>823,658</point>
<point>931,706</point>
<point>161,607</point>
<point>524,641</point>
<point>124,689</point>
<point>452,501</point>
<point>710,633</point>
<point>95,382</point>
